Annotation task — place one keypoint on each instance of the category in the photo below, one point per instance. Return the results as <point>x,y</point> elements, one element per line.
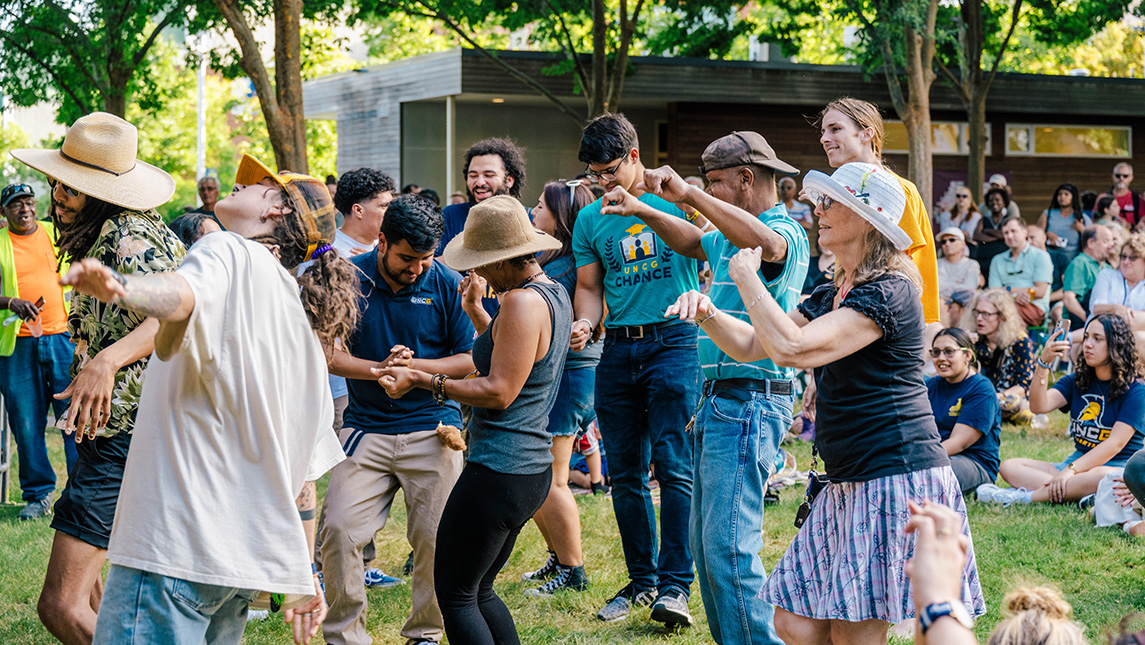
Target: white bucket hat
<point>98,158</point>
<point>871,191</point>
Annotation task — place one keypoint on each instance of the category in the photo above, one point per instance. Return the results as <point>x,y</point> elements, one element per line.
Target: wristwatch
<point>953,608</point>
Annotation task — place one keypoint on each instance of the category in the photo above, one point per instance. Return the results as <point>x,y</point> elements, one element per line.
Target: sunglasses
<point>948,352</point>
<point>825,202</point>
<point>71,192</point>
<point>948,240</point>
<point>1120,176</point>
<point>572,184</point>
<point>963,196</point>
<point>1131,258</point>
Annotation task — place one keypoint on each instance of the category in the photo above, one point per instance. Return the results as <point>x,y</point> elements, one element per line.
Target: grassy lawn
<point>1099,570</point>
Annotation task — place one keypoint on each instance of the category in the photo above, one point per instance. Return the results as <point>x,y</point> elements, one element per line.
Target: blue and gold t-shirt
<point>642,276</point>
<point>1092,414</point>
<point>971,401</point>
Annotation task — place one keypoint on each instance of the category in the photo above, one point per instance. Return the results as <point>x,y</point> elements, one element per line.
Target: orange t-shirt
<point>37,276</point>
<point>915,222</point>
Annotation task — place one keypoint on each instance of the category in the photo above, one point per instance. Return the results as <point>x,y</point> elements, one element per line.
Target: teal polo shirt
<point>1032,265</point>
<point>1081,274</point>
<point>426,317</point>
<point>783,281</point>
<point>642,276</point>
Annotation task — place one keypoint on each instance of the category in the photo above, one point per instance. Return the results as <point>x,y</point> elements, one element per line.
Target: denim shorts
<point>573,408</point>
<point>1116,462</point>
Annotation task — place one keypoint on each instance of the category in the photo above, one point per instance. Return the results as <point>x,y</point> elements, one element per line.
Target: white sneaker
<point>1003,496</point>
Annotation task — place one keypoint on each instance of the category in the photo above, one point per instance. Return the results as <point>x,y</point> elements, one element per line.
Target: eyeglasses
<point>608,174</point>
<point>948,352</point>
<point>988,314</point>
<point>71,192</point>
<point>1131,258</point>
<point>572,184</point>
<point>825,202</point>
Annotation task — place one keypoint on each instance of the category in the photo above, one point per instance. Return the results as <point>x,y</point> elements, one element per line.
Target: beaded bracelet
<point>756,301</point>
<point>1044,364</point>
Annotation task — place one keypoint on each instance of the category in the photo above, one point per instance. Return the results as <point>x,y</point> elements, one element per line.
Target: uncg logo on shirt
<point>955,409</point>
<point>419,300</point>
<point>1088,429</point>
<point>639,245</point>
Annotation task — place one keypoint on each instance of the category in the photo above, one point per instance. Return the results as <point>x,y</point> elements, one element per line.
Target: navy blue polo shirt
<point>454,216</point>
<point>426,317</point>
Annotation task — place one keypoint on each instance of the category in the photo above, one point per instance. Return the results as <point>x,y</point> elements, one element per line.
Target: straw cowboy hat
<point>98,159</point>
<point>497,229</point>
<point>871,191</point>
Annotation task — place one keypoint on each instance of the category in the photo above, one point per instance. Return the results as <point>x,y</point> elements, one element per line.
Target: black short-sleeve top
<point>873,417</point>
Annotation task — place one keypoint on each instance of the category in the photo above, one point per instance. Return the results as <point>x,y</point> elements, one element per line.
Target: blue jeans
<point>37,369</point>
<point>573,408</point>
<point>141,607</point>
<point>736,436</point>
<point>646,391</point>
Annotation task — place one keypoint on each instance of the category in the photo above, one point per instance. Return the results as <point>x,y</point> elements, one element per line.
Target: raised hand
<point>620,202</point>
<point>665,182</point>
<point>472,290</point>
<point>90,277</point>
<point>745,263</point>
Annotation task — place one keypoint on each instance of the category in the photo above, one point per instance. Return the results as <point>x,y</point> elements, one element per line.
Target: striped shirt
<point>787,280</point>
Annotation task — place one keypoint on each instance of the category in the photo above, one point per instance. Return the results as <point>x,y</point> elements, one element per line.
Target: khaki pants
<point>358,500</point>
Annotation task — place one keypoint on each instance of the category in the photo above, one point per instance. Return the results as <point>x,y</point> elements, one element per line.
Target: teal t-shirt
<point>642,276</point>
<point>783,282</point>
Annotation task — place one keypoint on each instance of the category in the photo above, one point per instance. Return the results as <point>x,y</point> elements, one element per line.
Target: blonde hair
<point>1037,616</point>
<point>880,257</point>
<point>1011,328</point>
<point>864,114</point>
<point>1136,244</point>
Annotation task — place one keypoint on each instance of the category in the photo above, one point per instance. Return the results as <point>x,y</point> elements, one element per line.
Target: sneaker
<point>600,488</point>
<point>1003,496</point>
<point>378,578</point>
<point>1087,502</point>
<point>255,615</point>
<point>619,605</point>
<point>570,578</point>
<point>547,570</point>
<point>407,568</point>
<point>671,608</point>
<point>415,641</point>
<point>36,510</point>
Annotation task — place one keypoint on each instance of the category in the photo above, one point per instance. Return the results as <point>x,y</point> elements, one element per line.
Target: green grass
<point>1100,571</point>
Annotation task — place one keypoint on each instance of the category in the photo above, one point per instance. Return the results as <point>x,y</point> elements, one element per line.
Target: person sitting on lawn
<point>965,409</point>
<point>1106,406</point>
<point>1005,352</point>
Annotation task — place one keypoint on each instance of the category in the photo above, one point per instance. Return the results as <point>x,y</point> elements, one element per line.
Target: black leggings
<point>478,528</point>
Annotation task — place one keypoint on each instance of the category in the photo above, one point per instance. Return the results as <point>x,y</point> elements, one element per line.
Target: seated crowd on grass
<point>475,354</point>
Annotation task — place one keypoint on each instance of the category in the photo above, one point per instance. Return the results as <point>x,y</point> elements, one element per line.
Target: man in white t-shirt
<point>230,433</point>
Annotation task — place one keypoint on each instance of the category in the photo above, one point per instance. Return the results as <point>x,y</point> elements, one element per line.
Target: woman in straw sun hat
<point>231,436</point>
<point>843,576</point>
<point>519,355</point>
<point>103,202</point>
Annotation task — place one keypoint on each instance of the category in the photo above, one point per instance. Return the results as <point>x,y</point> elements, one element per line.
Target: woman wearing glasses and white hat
<point>519,355</point>
<point>844,575</point>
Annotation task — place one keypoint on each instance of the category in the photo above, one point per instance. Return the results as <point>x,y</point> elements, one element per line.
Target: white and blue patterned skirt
<point>848,561</point>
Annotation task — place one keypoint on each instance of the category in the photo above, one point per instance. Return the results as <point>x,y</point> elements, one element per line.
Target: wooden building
<point>415,118</point>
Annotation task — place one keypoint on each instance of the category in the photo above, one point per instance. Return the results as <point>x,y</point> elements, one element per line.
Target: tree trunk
<point>599,59</point>
<point>115,100</point>
<point>920,76</point>
<point>976,118</point>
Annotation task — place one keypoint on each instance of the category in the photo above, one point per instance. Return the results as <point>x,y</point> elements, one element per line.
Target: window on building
<point>1030,140</point>
<point>946,138</point>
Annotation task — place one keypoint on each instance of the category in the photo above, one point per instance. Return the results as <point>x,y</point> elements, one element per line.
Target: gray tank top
<point>516,440</point>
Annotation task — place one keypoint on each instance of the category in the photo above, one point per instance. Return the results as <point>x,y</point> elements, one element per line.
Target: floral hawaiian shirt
<point>131,242</point>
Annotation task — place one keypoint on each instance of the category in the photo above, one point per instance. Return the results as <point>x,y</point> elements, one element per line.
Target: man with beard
<point>103,202</point>
<point>410,306</point>
<point>492,167</point>
<point>35,349</point>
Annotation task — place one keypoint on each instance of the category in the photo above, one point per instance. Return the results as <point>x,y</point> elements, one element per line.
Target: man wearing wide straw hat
<point>103,202</point>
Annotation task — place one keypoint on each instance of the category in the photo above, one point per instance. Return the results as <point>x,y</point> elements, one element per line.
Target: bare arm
<point>1101,453</point>
<point>517,343</point>
<point>961,437</point>
<point>90,391</point>
<point>1069,299</point>
<point>165,296</point>
<point>588,304</point>
<point>307,618</point>
<point>472,290</point>
<point>1043,399</point>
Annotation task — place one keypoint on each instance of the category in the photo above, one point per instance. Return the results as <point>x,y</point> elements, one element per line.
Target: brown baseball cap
<point>741,149</point>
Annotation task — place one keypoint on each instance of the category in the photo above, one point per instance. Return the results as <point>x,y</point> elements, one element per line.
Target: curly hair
<point>1123,362</point>
<point>1037,615</point>
<point>328,288</point>
<point>880,257</point>
<point>357,186</point>
<point>1011,328</point>
<point>76,238</point>
<point>1001,191</point>
<point>1136,244</point>
<point>512,157</point>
